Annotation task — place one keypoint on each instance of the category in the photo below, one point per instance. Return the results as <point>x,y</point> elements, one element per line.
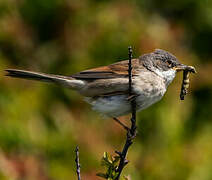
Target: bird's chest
<point>148,92</point>
<point>150,88</point>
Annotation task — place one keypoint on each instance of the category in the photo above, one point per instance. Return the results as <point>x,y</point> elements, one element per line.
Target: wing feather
<point>116,70</point>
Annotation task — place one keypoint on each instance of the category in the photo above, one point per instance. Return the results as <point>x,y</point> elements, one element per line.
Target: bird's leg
<point>120,123</point>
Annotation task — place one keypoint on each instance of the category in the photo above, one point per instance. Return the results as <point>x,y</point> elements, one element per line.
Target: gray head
<point>163,64</point>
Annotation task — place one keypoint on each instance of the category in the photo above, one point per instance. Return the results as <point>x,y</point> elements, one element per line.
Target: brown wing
<point>116,70</point>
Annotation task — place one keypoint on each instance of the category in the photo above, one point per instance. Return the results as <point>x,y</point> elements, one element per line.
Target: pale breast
<point>149,91</point>
<point>150,88</point>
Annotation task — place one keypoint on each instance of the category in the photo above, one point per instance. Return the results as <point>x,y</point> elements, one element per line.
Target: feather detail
<point>116,70</point>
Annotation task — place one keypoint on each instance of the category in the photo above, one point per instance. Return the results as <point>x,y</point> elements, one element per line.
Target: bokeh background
<point>40,124</point>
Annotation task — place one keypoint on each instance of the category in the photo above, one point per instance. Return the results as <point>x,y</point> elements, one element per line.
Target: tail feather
<point>62,80</point>
<point>29,75</point>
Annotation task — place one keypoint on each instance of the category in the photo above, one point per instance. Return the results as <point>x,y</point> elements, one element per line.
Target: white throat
<point>168,75</point>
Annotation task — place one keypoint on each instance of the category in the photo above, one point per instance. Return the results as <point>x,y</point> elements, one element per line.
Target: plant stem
<point>77,163</point>
<point>131,133</point>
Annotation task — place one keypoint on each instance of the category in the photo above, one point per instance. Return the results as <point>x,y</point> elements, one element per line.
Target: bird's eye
<point>170,63</point>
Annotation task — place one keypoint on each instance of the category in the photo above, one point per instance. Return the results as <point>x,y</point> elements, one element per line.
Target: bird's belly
<point>118,105</point>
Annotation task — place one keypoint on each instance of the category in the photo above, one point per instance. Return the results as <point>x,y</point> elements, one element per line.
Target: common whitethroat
<point>106,87</point>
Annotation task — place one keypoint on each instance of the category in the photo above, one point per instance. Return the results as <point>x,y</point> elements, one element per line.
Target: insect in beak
<point>185,83</point>
<point>183,67</point>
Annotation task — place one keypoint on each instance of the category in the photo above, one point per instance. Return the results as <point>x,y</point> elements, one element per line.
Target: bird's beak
<point>182,67</point>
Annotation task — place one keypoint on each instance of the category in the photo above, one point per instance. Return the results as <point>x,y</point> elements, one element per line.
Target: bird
<point>106,88</point>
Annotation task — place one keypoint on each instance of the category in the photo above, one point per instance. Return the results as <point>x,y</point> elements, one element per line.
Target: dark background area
<point>40,124</point>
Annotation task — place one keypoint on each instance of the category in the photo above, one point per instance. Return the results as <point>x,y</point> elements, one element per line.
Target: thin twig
<point>77,163</point>
<point>121,123</point>
<point>131,133</point>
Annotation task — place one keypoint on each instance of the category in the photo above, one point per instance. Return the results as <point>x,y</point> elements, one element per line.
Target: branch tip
<point>77,162</point>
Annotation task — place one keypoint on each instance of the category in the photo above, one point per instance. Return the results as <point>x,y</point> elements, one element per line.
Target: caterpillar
<point>185,82</point>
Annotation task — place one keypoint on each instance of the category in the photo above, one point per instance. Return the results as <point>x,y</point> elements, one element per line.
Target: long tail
<point>62,80</point>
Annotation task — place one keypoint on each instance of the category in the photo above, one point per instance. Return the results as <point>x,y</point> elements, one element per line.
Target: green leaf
<point>111,164</point>
<point>102,175</point>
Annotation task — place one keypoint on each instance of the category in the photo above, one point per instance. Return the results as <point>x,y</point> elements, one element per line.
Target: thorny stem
<point>77,163</point>
<point>131,133</point>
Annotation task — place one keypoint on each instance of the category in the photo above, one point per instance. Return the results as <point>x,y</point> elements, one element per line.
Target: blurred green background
<point>40,124</point>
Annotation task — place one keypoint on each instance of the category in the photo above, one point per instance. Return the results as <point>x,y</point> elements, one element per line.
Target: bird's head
<point>165,64</point>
